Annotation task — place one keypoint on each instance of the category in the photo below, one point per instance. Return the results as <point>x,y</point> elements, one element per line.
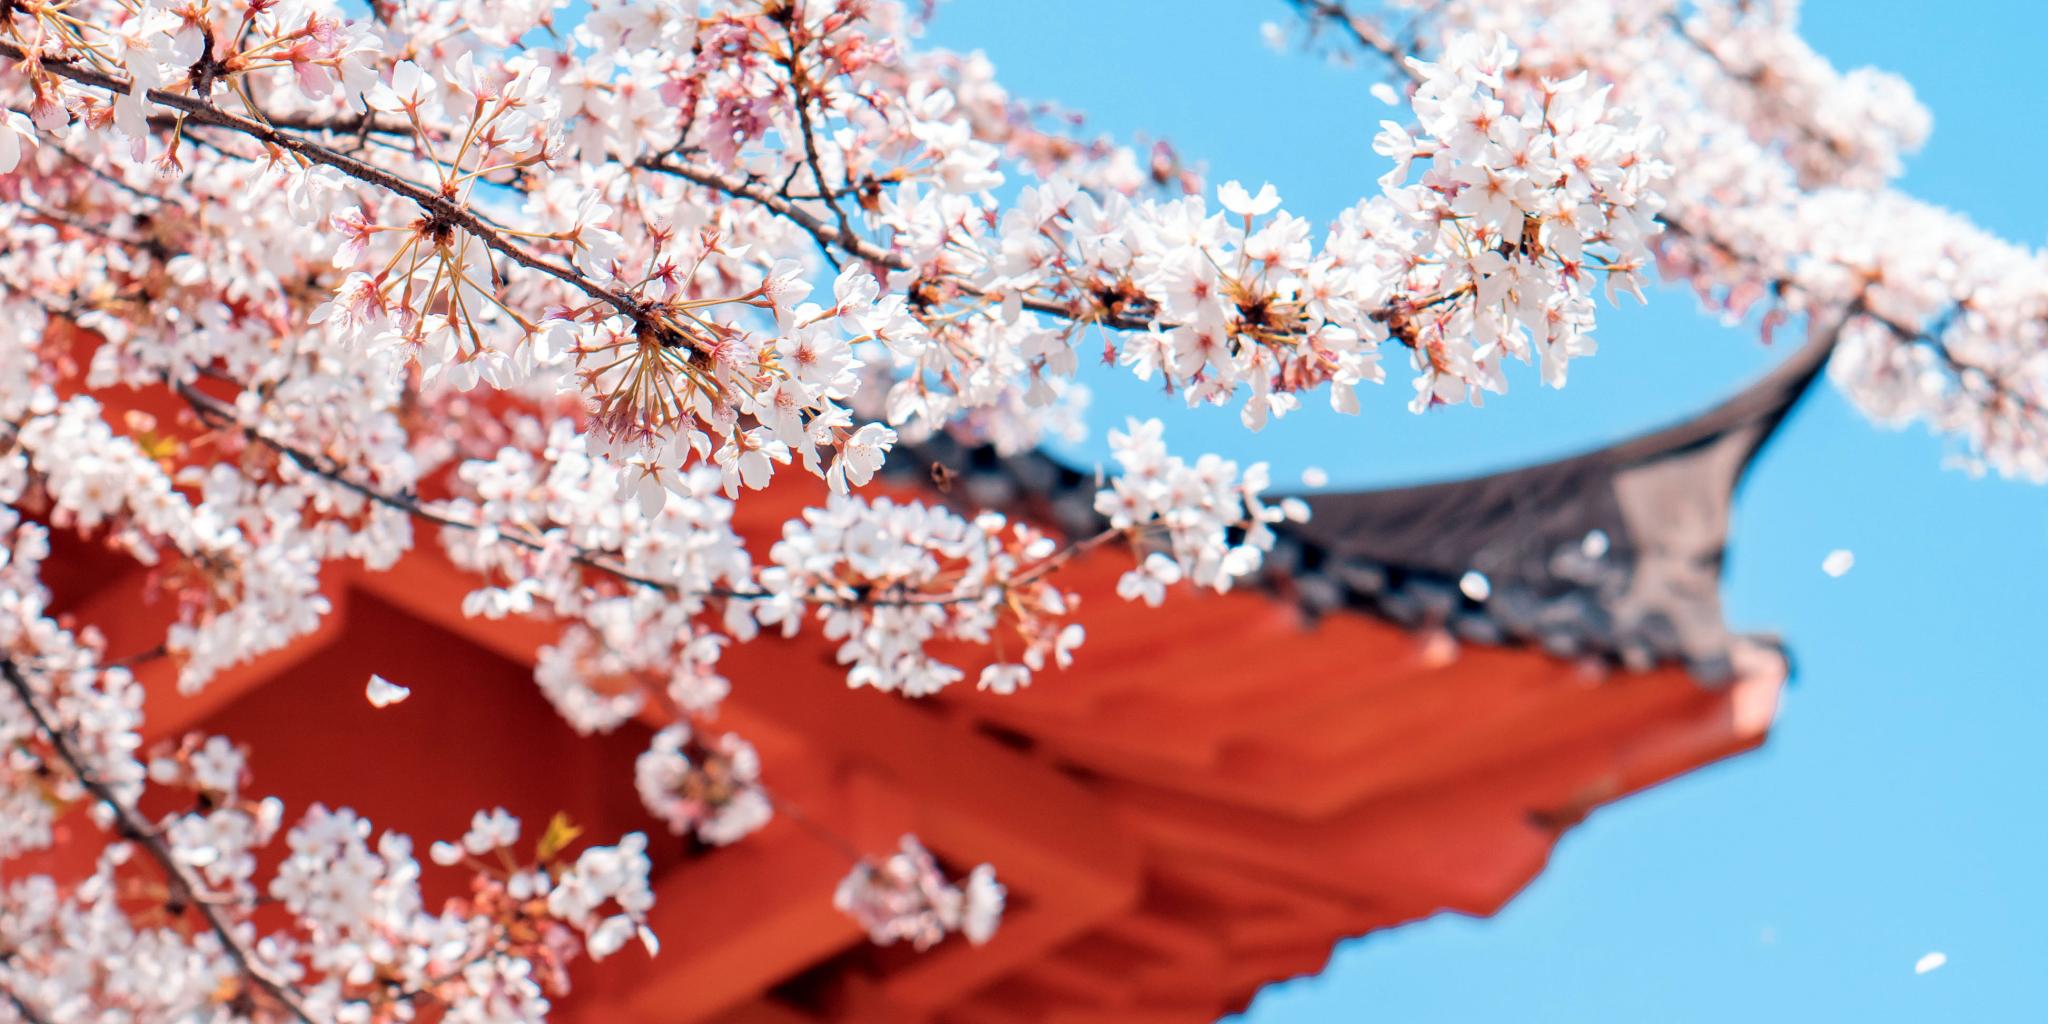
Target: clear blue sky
<point>1898,806</point>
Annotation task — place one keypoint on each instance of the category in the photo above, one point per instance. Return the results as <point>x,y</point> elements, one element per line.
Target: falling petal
<point>1838,562</point>
<point>383,692</point>
<point>1595,544</point>
<point>1930,962</point>
<point>1314,476</point>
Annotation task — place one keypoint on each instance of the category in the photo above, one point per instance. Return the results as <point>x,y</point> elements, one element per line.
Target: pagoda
<point>1431,686</point>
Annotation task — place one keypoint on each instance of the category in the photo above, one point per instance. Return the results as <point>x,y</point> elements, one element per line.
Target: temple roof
<point>1614,553</point>
<point>1205,802</point>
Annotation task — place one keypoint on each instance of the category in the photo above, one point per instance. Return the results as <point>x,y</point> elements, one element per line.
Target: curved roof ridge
<point>1765,402</point>
<point>1614,552</point>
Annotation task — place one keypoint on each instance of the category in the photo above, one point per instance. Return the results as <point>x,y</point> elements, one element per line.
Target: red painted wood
<point>1205,803</point>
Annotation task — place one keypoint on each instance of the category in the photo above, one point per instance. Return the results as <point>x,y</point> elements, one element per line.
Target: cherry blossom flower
<point>710,789</point>
<point>907,898</point>
<point>553,293</point>
<point>17,136</point>
<point>1234,198</point>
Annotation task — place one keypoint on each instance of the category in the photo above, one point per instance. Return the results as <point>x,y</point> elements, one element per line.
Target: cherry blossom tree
<point>561,285</point>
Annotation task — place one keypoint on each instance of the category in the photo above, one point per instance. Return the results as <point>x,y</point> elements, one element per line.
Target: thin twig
<point>1368,35</point>
<point>130,824</point>
<point>436,204</point>
<point>22,1009</point>
<point>797,80</point>
<point>216,414</point>
<point>826,235</point>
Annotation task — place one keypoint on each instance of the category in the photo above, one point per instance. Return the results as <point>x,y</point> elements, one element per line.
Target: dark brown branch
<point>1362,30</point>
<point>219,416</point>
<point>826,235</point>
<point>130,824</point>
<point>1928,336</point>
<point>436,204</point>
<point>222,417</point>
<point>1369,36</point>
<point>14,1000</point>
<point>797,80</point>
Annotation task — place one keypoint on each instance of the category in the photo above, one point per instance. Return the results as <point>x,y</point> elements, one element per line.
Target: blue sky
<point>1897,809</point>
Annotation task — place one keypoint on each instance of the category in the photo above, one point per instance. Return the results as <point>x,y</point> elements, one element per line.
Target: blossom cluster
<point>912,574</point>
<point>710,788</point>
<point>1210,521</point>
<point>359,943</point>
<point>283,281</point>
<point>908,898</point>
<point>1779,203</point>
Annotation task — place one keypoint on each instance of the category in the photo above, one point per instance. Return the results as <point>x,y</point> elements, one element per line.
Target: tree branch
<point>1368,35</point>
<point>852,244</point>
<point>214,413</point>
<point>437,204</point>
<point>797,80</point>
<point>130,824</point>
<point>1361,29</point>
<point>21,1008</point>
